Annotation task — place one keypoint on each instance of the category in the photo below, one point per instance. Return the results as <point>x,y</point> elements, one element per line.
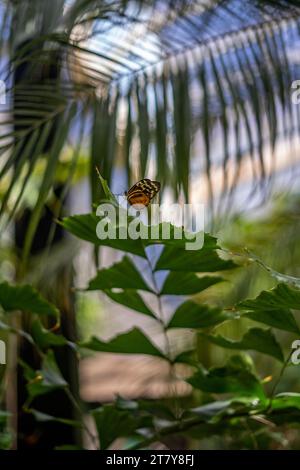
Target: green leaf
<point>255,339</point>
<point>214,417</point>
<point>193,315</point>
<point>63,127</point>
<point>25,298</point>
<point>112,423</point>
<point>103,137</point>
<point>45,338</point>
<point>213,412</point>
<point>131,342</point>
<point>185,283</point>
<point>128,136</point>
<point>182,114</point>
<point>187,357</point>
<point>44,418</point>
<point>175,238</point>
<point>223,118</point>
<point>28,372</point>
<point>17,331</point>
<point>29,150</point>
<point>122,275</point>
<point>161,129</point>
<point>206,127</point>
<point>47,379</point>
<point>179,237</point>
<point>148,407</point>
<point>281,296</point>
<point>286,400</point>
<point>108,194</point>
<point>272,308</point>
<point>176,258</point>
<point>143,122</point>
<point>84,227</point>
<point>131,299</point>
<point>234,378</point>
<point>281,319</point>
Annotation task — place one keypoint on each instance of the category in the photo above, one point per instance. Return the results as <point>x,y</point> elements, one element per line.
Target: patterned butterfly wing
<point>142,192</point>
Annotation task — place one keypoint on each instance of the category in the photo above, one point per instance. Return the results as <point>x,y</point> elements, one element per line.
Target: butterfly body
<point>141,193</point>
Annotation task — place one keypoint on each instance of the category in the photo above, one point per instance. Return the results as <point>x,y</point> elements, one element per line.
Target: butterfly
<point>142,192</point>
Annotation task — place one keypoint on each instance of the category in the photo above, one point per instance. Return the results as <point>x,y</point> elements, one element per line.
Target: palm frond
<point>157,78</point>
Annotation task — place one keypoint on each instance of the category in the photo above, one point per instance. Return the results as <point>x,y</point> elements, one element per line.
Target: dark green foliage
<point>222,398</point>
<point>24,298</point>
<point>255,339</point>
<point>132,342</point>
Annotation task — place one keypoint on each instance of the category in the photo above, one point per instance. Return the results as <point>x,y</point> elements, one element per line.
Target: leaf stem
<point>168,352</point>
<point>181,426</point>
<point>284,366</point>
<point>79,409</point>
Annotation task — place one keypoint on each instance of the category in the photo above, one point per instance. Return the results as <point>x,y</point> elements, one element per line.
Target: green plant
<point>225,400</point>
<point>129,67</point>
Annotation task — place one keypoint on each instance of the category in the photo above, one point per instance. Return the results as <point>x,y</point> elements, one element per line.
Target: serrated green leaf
<point>44,418</point>
<point>281,319</point>
<point>193,315</point>
<point>186,357</point>
<point>272,308</point>
<point>204,260</point>
<point>47,379</point>
<point>281,296</point>
<point>179,237</point>
<point>122,275</point>
<point>44,338</point>
<point>131,342</point>
<point>112,423</point>
<point>232,378</point>
<point>184,283</point>
<point>175,238</point>
<point>84,227</point>
<point>255,339</point>
<point>25,298</point>
<point>131,299</point>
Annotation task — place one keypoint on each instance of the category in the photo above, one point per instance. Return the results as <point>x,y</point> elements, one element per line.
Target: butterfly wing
<point>143,191</point>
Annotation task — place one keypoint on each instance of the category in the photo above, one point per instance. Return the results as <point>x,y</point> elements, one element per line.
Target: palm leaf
<point>151,59</point>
